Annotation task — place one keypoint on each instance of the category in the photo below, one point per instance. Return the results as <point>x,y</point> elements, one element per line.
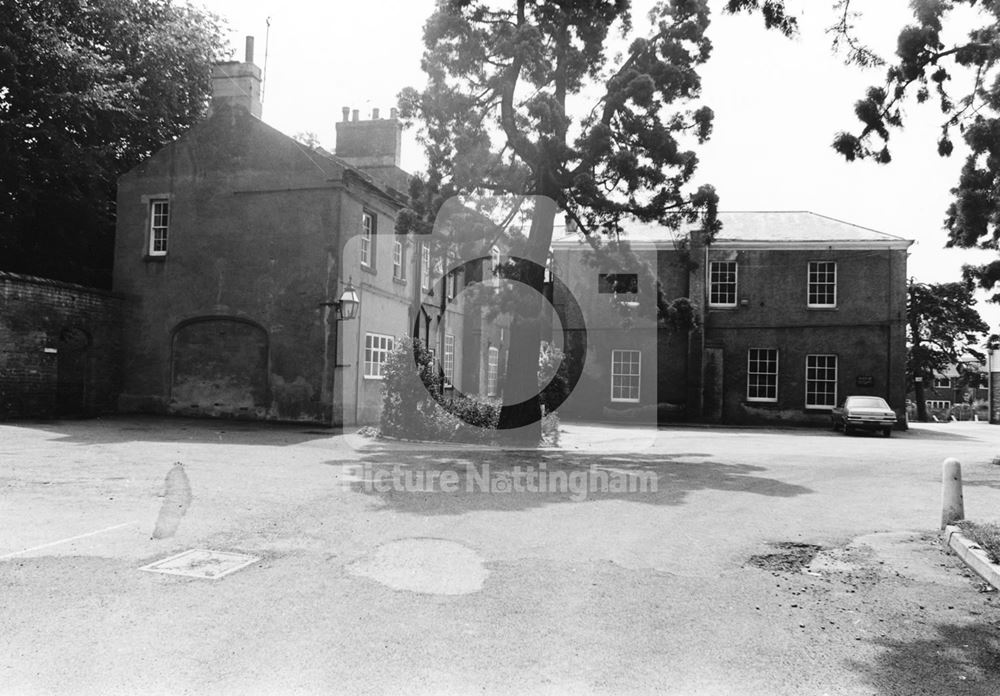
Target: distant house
<point>794,312</point>
<point>964,383</point>
<point>234,245</point>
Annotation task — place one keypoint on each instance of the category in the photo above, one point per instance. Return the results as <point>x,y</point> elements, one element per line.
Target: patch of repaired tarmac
<point>426,566</point>
<point>789,556</point>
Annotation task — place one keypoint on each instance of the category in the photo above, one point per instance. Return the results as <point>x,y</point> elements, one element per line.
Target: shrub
<point>410,380</point>
<point>466,419</point>
<point>480,413</point>
<point>967,412</point>
<point>550,429</point>
<point>960,412</point>
<point>416,406</point>
<point>553,375</point>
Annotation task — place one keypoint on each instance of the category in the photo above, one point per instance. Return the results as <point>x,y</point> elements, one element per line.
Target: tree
<point>307,138</point>
<point>923,69</point>
<point>972,376</point>
<point>89,88</point>
<point>943,328</point>
<point>505,112</point>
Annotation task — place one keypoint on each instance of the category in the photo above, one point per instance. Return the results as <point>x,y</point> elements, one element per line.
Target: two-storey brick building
<point>235,244</point>
<point>794,311</point>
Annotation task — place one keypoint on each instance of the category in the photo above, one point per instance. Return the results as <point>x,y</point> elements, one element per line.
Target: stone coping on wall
<point>49,282</point>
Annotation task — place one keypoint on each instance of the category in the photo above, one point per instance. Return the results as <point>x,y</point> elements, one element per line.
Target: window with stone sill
<point>368,231</point>
<point>159,226</point>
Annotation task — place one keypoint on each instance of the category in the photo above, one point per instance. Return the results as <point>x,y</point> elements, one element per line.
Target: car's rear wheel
<point>886,432</point>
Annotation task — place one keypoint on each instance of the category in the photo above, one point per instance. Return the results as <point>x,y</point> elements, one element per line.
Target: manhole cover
<point>202,563</point>
<point>428,566</point>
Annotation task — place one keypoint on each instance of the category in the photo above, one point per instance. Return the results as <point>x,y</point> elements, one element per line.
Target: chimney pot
<point>249,50</point>
<point>393,112</point>
<point>354,115</point>
<point>347,113</point>
<point>374,114</point>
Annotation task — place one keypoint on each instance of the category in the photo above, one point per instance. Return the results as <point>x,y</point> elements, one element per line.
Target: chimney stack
<point>347,113</point>
<point>237,84</point>
<point>367,144</point>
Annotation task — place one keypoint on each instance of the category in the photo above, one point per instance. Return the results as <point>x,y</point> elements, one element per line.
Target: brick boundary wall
<point>60,348</point>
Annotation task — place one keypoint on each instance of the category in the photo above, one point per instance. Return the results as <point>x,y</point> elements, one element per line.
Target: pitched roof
<point>794,225</point>
<point>318,155</point>
<point>769,229</point>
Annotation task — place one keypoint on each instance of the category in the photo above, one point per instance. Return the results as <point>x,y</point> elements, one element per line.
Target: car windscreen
<point>867,402</point>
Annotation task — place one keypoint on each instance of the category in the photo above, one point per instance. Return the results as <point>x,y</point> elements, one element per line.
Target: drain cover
<point>201,563</point>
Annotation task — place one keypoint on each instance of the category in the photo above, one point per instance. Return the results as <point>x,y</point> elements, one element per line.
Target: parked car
<point>864,413</point>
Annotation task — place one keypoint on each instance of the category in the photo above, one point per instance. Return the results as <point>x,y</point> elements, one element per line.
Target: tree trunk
<point>918,389</point>
<point>521,421</point>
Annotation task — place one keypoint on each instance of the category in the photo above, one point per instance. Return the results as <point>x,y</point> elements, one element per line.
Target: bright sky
<point>777,102</point>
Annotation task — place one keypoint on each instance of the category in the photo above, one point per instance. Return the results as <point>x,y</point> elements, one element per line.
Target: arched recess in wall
<point>219,366</point>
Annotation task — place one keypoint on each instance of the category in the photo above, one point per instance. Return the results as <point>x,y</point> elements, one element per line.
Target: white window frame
<point>810,393</point>
<point>449,358</point>
<point>425,267</point>
<point>368,239</point>
<point>452,284</point>
<point>492,370</point>
<point>942,383</point>
<point>810,282</point>
<point>398,261</point>
<point>437,266</point>
<point>616,364</point>
<point>937,405</point>
<point>377,349</point>
<point>159,232</point>
<point>713,282</point>
<point>751,373</point>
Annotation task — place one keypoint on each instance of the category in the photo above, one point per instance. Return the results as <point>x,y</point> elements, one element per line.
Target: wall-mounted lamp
<point>347,305</point>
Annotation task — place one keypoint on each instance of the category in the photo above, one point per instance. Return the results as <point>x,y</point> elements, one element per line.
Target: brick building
<point>795,311</point>
<point>59,348</point>
<point>234,245</point>
<point>967,383</point>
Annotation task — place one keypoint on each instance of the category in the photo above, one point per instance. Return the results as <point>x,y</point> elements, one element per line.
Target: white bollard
<point>952,504</point>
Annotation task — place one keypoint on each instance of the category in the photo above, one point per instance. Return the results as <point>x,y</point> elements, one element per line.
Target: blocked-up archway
<point>219,367</point>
